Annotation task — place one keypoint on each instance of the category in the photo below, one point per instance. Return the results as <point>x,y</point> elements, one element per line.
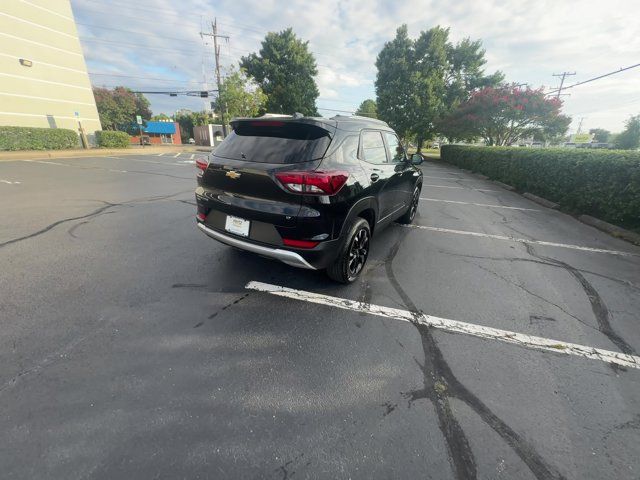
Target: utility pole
<point>563,75</point>
<point>216,47</point>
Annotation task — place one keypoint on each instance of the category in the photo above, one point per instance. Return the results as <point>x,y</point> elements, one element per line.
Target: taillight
<point>318,183</point>
<point>201,164</point>
<point>290,242</point>
<point>201,216</point>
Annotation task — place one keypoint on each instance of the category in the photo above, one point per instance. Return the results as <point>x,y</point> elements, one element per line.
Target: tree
<point>285,70</point>
<point>420,81</point>
<point>504,115</point>
<point>600,135</point>
<point>160,118</point>
<point>629,139</point>
<point>368,108</point>
<point>240,96</point>
<point>118,108</point>
<point>188,119</point>
<point>394,91</point>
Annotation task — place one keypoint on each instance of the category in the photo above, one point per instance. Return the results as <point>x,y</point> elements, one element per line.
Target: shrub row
<point>29,138</point>
<point>112,139</point>
<point>604,184</point>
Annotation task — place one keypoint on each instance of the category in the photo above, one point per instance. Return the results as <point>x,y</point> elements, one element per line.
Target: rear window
<point>274,142</point>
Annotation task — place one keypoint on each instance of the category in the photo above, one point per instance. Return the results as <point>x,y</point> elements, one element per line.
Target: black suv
<point>309,192</point>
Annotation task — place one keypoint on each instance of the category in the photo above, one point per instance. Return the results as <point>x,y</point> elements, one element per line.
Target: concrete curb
<point>91,152</point>
<point>542,201</point>
<point>611,229</point>
<point>504,185</point>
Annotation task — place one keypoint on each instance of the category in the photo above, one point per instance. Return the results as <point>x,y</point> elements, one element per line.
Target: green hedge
<point>601,183</point>
<point>28,138</point>
<point>112,139</point>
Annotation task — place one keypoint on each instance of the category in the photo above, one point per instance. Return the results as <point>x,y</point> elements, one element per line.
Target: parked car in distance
<point>435,145</point>
<point>310,192</point>
<point>191,141</point>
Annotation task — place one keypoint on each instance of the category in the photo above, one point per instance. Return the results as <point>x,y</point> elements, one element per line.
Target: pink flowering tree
<point>503,115</point>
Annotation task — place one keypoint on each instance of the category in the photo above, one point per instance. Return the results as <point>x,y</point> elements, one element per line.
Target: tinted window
<point>274,143</point>
<point>395,148</point>
<point>347,152</point>
<point>373,147</point>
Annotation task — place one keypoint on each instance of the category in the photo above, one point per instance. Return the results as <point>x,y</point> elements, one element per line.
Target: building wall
<point>208,135</point>
<point>57,85</point>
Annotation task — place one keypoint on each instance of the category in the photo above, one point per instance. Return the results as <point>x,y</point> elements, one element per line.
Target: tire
<point>353,253</point>
<point>410,214</point>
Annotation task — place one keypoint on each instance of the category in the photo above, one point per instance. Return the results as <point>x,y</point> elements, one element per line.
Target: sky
<point>156,44</point>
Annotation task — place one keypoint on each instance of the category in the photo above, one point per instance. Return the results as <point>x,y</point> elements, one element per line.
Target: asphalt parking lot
<point>494,339</point>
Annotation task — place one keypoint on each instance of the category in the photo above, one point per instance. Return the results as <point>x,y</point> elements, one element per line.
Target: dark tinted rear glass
<point>274,142</point>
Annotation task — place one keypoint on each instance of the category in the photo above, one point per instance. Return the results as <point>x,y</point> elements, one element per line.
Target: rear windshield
<point>274,142</point>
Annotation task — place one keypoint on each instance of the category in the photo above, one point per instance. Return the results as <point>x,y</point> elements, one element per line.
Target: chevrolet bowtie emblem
<point>232,174</point>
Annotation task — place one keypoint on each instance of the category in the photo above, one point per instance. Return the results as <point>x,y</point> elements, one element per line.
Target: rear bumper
<point>285,256</point>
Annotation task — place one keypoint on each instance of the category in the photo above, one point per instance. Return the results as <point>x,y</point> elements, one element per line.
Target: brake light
<point>201,216</point>
<point>318,183</point>
<point>202,164</point>
<point>290,242</point>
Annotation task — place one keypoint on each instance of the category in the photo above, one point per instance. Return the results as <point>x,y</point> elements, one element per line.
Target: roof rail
<point>359,118</point>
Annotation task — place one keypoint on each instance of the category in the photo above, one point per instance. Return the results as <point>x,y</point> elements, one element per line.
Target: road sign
<point>139,119</point>
<point>582,138</point>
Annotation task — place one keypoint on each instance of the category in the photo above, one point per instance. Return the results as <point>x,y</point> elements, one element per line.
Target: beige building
<point>43,75</point>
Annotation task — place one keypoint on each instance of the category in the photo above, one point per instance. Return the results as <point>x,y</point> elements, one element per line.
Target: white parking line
<point>192,155</point>
<point>478,204</point>
<point>9,182</point>
<point>462,188</point>
<point>447,178</point>
<point>453,326</point>
<point>523,240</point>
<point>176,155</point>
<point>48,163</point>
<point>160,154</point>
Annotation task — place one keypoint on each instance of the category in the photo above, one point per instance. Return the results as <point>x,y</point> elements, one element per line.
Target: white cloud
<point>529,41</point>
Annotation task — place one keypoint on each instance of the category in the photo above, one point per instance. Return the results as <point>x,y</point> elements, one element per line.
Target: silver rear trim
<point>285,256</point>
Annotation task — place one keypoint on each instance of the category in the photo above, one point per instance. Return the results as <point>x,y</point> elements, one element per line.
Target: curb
<point>91,152</point>
<point>542,201</point>
<point>504,185</point>
<point>612,230</point>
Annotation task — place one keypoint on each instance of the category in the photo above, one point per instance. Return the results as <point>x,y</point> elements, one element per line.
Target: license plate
<point>236,225</point>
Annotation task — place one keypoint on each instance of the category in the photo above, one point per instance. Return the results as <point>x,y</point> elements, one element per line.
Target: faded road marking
<point>478,204</point>
<point>9,182</point>
<point>192,155</point>
<point>176,155</point>
<point>462,188</point>
<point>453,326</point>
<point>524,240</point>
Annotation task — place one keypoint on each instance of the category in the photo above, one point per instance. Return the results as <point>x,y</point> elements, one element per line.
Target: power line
<point>563,75</point>
<point>595,78</point>
<point>106,74</point>
<point>138,33</point>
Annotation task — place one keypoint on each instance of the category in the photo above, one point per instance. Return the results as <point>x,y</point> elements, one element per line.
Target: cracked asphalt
<point>130,347</point>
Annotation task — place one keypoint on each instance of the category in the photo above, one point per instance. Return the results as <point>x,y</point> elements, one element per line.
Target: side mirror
<point>417,159</point>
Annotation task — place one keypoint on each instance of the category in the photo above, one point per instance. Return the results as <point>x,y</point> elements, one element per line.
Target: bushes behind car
<point>30,138</point>
<point>112,139</point>
<point>604,184</point>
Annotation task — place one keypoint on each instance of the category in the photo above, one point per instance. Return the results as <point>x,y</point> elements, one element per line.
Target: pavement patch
<point>452,326</point>
<point>523,240</point>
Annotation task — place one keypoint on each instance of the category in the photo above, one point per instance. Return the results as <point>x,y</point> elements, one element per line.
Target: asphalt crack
<point>598,306</point>
<point>440,384</point>
<point>93,214</point>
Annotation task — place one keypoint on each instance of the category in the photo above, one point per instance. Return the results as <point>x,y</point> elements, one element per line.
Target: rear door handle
<point>374,177</point>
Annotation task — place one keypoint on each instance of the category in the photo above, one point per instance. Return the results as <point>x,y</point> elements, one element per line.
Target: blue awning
<point>160,127</point>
